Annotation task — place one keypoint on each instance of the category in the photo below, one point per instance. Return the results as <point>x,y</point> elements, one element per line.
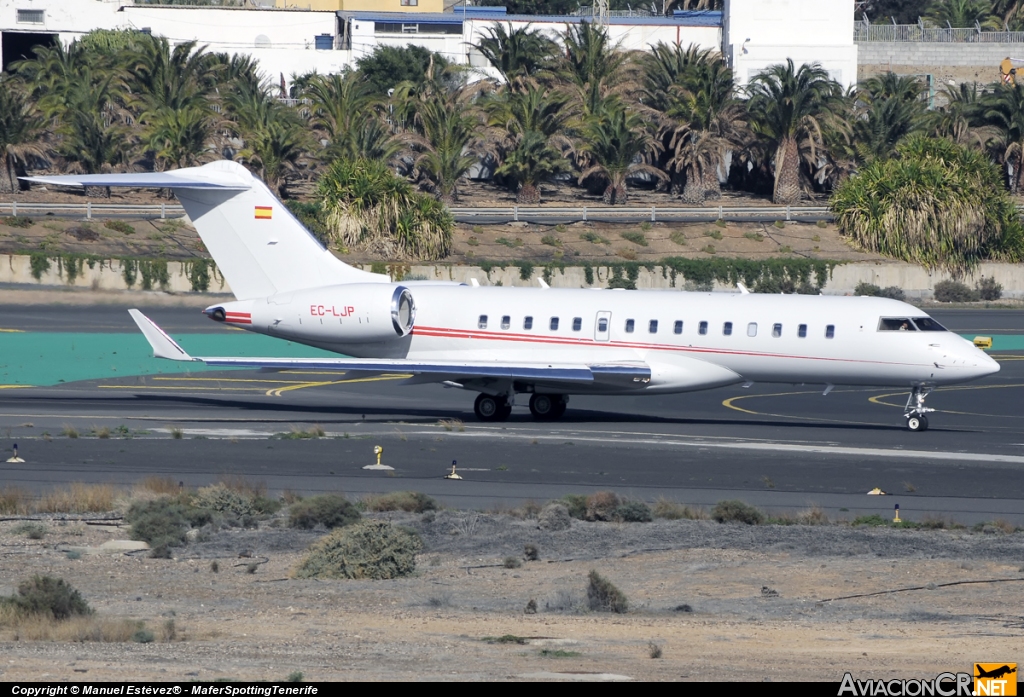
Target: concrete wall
<point>959,62</point>
<point>916,281</point>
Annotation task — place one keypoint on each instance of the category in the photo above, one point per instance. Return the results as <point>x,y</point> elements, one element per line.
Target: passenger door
<point>602,327</point>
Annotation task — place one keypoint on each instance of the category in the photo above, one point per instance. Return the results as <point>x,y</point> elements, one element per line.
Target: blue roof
<point>686,18</point>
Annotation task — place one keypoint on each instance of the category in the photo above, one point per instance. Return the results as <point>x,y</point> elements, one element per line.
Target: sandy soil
<point>433,625</point>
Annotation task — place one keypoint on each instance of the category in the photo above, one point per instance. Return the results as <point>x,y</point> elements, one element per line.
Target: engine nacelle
<point>346,314</point>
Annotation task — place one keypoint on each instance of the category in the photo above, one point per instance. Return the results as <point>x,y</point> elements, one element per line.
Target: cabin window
<point>554,324</point>
<point>629,326</point>
<point>896,324</point>
<point>602,324</point>
<point>527,322</point>
<point>801,331</point>
<point>652,327</point>
<point>703,328</point>
<point>927,324</point>
<point>577,323</point>
<point>727,328</point>
<point>752,329</point>
<point>830,331</point>
<point>506,322</point>
<point>776,330</point>
<point>678,328</point>
<point>482,322</point>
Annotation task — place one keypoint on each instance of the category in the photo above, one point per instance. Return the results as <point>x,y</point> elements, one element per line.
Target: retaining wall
<point>959,62</point>
<point>915,281</point>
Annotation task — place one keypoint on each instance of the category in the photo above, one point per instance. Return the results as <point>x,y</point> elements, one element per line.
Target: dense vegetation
<point>574,108</point>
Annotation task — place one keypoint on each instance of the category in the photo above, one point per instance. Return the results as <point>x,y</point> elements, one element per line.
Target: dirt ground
<point>722,602</point>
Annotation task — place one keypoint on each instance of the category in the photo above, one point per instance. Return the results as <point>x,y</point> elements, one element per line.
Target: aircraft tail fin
<point>259,246</point>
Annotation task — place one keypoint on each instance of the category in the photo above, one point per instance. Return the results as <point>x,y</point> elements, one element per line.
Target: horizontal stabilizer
<point>163,345</point>
<point>194,178</point>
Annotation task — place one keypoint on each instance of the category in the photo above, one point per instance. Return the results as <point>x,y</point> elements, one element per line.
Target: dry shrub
<point>602,505</point>
<point>164,486</point>
<point>76,629</point>
<point>14,501</point>
<point>670,510</point>
<point>367,549</point>
<point>329,510</point>
<point>408,501</point>
<point>604,596</point>
<point>812,516</point>
<point>224,500</point>
<point>245,487</point>
<point>79,498</point>
<point>737,512</point>
<point>47,596</point>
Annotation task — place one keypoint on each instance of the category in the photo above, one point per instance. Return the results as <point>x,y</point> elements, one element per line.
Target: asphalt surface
<point>781,447</point>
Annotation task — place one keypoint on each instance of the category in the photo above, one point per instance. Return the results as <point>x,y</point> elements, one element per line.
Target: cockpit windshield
<point>927,324</point>
<point>896,324</point>
<point>908,324</point>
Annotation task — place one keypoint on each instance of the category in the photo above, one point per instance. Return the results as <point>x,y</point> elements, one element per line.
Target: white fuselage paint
<point>448,326</point>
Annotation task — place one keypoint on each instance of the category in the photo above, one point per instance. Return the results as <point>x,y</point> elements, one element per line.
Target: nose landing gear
<point>916,410</point>
<point>492,407</point>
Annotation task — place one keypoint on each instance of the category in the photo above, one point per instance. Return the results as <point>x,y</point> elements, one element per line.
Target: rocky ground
<point>717,601</point>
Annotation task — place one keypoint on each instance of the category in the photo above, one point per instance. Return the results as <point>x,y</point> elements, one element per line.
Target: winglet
<point>163,345</point>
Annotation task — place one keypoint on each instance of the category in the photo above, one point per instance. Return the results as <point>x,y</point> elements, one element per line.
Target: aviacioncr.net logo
<point>942,685</point>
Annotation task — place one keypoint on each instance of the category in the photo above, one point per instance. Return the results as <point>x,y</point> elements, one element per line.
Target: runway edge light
<point>897,518</point>
<point>378,451</point>
<point>453,474</point>
<point>15,458</point>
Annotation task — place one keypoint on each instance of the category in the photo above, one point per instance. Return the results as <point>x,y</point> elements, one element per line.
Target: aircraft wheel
<point>490,408</point>
<point>545,407</point>
<point>917,423</point>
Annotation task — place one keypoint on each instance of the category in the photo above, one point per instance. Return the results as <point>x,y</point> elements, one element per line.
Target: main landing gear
<point>544,407</point>
<point>916,410</point>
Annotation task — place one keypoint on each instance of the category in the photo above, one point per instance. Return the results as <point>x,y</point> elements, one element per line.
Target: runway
<point>777,446</point>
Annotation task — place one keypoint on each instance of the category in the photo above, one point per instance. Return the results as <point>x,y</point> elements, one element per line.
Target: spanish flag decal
<point>264,212</point>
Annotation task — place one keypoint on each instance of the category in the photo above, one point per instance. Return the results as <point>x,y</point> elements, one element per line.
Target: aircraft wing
<point>635,374</point>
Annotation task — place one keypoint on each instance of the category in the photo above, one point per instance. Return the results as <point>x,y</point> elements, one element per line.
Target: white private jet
<point>545,342</point>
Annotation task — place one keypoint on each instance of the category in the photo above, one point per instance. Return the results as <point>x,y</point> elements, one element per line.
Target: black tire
<point>505,412</point>
<point>547,407</point>
<point>487,408</point>
<point>917,423</point>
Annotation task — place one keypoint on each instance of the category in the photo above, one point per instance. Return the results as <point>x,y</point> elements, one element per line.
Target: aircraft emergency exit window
<point>752,329</point>
<point>727,328</point>
<point>830,331</point>
<point>527,322</point>
<point>482,322</point>
<point>927,324</point>
<point>577,323</point>
<point>678,328</point>
<point>652,327</point>
<point>506,322</point>
<point>702,328</point>
<point>801,331</point>
<point>602,324</point>
<point>896,324</point>
<point>776,330</point>
<point>554,324</point>
<point>629,326</point>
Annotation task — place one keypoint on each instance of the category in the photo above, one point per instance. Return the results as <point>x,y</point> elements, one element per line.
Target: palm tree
<point>592,65</point>
<point>345,110</point>
<point>616,142</point>
<point>529,121</point>
<point>960,118</point>
<point>21,131</point>
<point>963,13</point>
<point>447,142</point>
<point>515,53</point>
<point>179,137</point>
<point>702,115</point>
<point>786,107</point>
<point>1004,111</point>
<point>274,135</point>
<point>892,108</point>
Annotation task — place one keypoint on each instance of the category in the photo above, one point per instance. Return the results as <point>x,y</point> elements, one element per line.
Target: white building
<point>759,33</point>
<point>751,34</point>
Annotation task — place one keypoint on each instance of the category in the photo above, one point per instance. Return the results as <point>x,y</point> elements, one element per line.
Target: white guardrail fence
<point>503,214</point>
